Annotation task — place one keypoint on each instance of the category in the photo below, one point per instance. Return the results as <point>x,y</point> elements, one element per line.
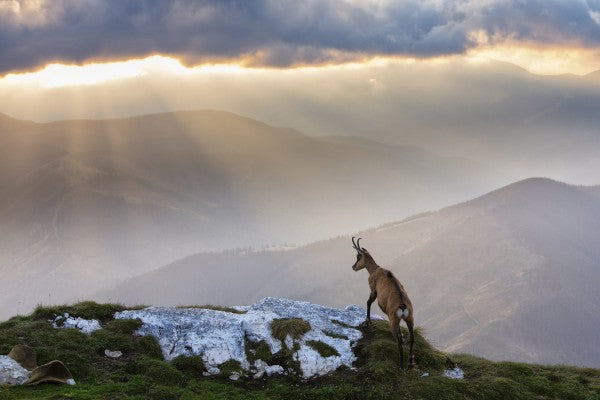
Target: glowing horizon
<point>536,60</point>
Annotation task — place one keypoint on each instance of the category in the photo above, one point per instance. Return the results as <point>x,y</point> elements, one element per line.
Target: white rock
<point>71,382</point>
<point>219,336</point>
<point>424,374</point>
<point>11,372</point>
<point>455,373</point>
<point>260,365</point>
<point>234,376</point>
<point>212,370</point>
<point>112,354</point>
<point>259,374</point>
<point>86,326</point>
<point>274,370</point>
<point>289,342</point>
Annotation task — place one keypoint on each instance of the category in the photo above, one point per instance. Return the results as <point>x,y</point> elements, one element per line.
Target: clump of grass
<point>257,351</point>
<point>229,367</point>
<point>335,335</point>
<point>158,371</point>
<point>284,357</point>
<point>378,350</point>
<point>84,309</point>
<point>425,353</point>
<point>294,327</point>
<point>124,326</point>
<point>287,359</point>
<point>340,323</point>
<point>190,365</point>
<point>215,308</point>
<point>322,348</point>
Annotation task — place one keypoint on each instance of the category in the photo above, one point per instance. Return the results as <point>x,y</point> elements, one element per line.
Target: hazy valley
<point>85,204</point>
<point>510,275</point>
<point>102,209</point>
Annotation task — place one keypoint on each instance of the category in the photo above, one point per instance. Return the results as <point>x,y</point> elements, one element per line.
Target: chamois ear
<point>364,250</point>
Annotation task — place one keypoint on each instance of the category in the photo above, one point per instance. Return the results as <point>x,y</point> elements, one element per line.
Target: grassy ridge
<point>143,374</point>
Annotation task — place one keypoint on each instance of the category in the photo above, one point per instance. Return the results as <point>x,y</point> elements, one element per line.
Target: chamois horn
<point>357,244</point>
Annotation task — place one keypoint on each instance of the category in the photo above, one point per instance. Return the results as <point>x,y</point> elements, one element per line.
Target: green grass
<point>142,374</point>
<point>340,323</point>
<point>335,335</point>
<point>322,348</point>
<point>84,309</point>
<point>294,327</point>
<point>262,351</point>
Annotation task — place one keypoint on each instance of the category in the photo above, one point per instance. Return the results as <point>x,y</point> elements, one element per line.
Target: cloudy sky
<point>292,33</point>
<point>475,78</point>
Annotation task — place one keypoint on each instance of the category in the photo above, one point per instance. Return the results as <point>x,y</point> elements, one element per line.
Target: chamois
<point>391,297</point>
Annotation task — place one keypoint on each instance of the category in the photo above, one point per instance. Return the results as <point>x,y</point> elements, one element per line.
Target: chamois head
<point>362,256</point>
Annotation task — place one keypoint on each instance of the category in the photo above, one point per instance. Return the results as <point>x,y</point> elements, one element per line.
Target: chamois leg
<point>411,357</point>
<point>395,327</point>
<point>370,301</point>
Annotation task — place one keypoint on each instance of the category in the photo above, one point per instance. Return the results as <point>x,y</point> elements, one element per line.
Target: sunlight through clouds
<point>58,75</point>
<point>541,60</point>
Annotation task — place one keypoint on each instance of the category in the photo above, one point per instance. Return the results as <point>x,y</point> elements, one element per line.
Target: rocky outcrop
<point>220,336</point>
<point>11,372</point>
<point>86,326</point>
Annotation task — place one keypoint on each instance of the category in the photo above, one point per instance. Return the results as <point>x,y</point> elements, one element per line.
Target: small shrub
<point>322,348</point>
<point>295,327</point>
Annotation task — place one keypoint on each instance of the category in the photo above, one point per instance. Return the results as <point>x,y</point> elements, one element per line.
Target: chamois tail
<point>402,312</point>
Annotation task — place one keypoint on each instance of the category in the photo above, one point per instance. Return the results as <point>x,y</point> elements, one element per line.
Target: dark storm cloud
<point>278,33</point>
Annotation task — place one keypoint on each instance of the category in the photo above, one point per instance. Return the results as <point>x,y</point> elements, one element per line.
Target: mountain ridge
<point>476,272</point>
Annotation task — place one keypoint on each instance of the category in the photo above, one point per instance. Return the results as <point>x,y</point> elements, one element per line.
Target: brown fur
<point>391,297</point>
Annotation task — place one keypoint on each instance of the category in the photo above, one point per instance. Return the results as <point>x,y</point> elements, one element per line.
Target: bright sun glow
<point>58,75</point>
<point>541,60</point>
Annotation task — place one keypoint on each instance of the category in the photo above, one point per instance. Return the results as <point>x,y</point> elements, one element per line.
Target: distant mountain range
<point>87,203</point>
<point>513,274</point>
